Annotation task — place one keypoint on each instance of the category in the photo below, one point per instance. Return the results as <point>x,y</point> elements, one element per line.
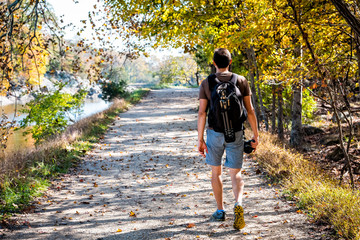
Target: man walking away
<point>225,94</point>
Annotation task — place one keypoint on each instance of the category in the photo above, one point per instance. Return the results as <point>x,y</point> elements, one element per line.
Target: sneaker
<point>239,221</point>
<point>219,215</point>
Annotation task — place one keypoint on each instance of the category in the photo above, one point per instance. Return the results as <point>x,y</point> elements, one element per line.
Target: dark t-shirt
<point>242,83</point>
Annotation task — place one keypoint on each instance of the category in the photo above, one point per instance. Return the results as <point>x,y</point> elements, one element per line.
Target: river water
<point>18,141</point>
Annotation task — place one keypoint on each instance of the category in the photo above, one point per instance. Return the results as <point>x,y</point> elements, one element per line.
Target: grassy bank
<point>33,169</point>
<point>315,192</point>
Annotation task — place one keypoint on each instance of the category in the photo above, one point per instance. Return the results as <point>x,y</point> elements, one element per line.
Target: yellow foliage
<point>35,60</point>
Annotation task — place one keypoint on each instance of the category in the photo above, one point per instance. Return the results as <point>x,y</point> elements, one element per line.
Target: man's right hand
<point>202,148</point>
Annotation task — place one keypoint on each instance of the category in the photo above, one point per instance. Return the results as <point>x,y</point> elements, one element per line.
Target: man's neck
<point>222,70</point>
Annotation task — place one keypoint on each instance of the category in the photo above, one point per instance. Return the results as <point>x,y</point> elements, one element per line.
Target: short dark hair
<point>222,57</point>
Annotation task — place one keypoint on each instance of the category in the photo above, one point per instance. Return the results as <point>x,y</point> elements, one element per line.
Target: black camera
<point>247,146</point>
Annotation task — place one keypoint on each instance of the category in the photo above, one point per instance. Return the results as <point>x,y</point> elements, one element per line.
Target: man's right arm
<point>201,126</point>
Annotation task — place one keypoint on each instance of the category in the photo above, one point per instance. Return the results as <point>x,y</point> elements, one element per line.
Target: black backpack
<point>227,112</point>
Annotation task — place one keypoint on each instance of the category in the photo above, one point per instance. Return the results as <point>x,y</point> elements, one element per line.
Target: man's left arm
<point>201,126</point>
<point>252,120</point>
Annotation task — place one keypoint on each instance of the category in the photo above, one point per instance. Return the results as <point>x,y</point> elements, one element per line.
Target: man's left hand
<point>255,142</point>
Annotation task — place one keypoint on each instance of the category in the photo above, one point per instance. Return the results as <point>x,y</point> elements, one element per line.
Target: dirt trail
<point>145,180</point>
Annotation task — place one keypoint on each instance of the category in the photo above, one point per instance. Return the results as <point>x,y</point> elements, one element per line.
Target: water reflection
<point>18,141</point>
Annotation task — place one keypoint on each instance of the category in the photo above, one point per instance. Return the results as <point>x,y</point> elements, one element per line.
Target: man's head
<point>222,58</point>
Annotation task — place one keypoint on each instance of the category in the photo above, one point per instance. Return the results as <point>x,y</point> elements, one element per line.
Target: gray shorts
<point>216,145</point>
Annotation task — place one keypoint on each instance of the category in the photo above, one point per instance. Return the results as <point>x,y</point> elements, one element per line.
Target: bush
<point>115,85</point>
<point>111,90</point>
<point>47,112</point>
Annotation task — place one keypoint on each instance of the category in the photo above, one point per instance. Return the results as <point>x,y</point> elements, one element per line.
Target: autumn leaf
<point>132,214</point>
<point>190,225</point>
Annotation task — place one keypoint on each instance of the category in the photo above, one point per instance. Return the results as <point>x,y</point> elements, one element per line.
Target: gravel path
<point>145,180</point>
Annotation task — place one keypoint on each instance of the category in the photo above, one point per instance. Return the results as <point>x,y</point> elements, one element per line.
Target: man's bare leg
<point>238,189</point>
<point>237,184</point>
<point>217,186</point>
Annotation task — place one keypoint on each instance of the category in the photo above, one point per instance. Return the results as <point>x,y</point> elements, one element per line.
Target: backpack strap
<point>213,81</point>
<point>234,79</point>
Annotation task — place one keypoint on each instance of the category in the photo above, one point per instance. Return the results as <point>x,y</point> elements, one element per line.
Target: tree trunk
<point>273,109</point>
<point>357,54</point>
<point>262,107</point>
<point>213,69</point>
<point>252,83</point>
<point>296,126</point>
<point>280,114</point>
<point>333,102</point>
<point>348,15</point>
<point>324,72</point>
<point>197,76</point>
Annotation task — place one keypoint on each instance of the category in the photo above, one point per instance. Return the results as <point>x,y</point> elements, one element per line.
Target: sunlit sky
<point>75,12</point>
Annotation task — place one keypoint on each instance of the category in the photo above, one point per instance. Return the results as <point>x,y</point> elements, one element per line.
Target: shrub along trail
<point>145,180</point>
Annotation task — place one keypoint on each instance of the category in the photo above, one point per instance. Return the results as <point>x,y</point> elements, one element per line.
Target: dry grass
<point>313,189</point>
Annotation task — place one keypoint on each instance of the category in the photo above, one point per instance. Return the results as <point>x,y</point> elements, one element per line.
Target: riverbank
<point>26,174</point>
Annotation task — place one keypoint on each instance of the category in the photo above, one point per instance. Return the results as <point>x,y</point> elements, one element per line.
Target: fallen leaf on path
<point>132,214</point>
<point>190,225</point>
<point>119,230</point>
<point>223,225</point>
